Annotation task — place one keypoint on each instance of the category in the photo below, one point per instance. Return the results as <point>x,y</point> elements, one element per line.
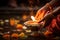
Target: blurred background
<point>20,9</point>
<point>13,13</point>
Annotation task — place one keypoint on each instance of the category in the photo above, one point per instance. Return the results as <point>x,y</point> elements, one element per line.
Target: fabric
<point>54,26</point>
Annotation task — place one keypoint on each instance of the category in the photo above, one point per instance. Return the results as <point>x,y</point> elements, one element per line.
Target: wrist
<point>48,7</point>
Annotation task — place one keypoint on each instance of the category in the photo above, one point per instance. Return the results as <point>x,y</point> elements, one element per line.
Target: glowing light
<point>6,20</point>
<point>32,17</point>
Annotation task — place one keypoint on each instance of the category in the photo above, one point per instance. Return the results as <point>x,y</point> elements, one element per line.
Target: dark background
<point>25,2</point>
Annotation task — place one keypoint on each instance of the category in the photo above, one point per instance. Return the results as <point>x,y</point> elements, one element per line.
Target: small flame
<point>32,17</point>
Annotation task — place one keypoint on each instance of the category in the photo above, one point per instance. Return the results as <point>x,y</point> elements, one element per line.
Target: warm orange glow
<point>21,35</point>
<point>17,21</point>
<point>24,17</point>
<point>19,26</point>
<point>32,17</point>
<point>41,16</point>
<point>14,35</point>
<point>47,33</point>
<point>6,36</point>
<point>12,22</point>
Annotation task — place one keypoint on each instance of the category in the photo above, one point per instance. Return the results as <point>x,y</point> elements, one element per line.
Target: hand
<point>40,14</point>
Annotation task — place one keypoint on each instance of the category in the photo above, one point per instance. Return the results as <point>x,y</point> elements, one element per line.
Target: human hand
<point>42,12</point>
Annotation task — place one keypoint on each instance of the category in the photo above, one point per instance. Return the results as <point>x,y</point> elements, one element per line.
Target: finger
<point>38,13</point>
<point>41,15</point>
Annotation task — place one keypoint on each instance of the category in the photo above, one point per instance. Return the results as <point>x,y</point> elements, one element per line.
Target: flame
<point>32,17</point>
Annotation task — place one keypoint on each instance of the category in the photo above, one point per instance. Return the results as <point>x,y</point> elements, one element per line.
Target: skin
<point>46,9</point>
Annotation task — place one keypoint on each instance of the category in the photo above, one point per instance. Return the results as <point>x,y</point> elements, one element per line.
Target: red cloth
<point>54,26</point>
